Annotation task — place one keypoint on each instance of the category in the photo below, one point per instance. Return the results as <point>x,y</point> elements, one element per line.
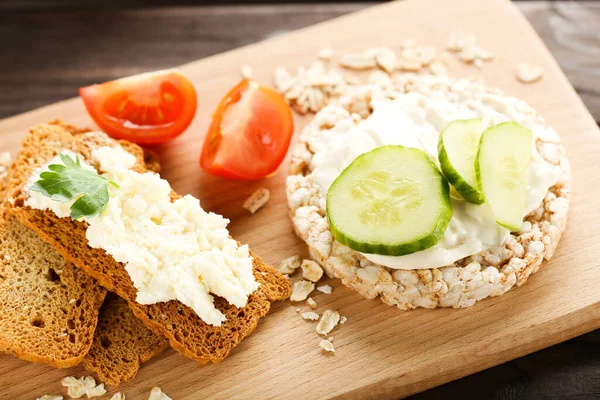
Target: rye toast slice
<point>121,343</point>
<point>186,332</point>
<point>49,307</point>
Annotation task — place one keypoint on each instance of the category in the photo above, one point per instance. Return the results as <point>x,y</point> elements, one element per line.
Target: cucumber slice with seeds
<point>502,168</point>
<point>391,201</point>
<point>457,150</point>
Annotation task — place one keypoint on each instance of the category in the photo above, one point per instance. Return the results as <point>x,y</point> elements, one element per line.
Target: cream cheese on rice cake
<point>476,257</point>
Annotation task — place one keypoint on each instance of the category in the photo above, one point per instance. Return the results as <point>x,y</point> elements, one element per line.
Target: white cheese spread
<point>171,250</point>
<point>415,120</point>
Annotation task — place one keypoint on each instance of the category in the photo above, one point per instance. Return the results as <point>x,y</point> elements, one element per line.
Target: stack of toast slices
<point>53,286</point>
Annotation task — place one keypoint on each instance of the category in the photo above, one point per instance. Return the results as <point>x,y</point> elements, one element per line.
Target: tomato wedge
<point>250,133</point>
<point>146,109</point>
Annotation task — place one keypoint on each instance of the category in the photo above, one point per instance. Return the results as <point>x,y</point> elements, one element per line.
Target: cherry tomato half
<point>146,109</point>
<point>250,133</point>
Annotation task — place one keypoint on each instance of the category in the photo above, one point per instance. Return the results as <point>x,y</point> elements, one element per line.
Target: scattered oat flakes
<point>283,80</point>
<point>157,394</point>
<point>96,391</point>
<point>301,290</point>
<point>528,73</point>
<point>118,396</point>
<point>325,289</point>
<point>426,54</point>
<point>257,200</point>
<point>326,53</point>
<point>5,159</point>
<point>409,64</point>
<point>358,61</point>
<point>458,41</point>
<point>328,321</point>
<point>311,303</point>
<point>386,59</point>
<point>467,54</point>
<point>70,381</point>
<point>327,345</point>
<point>380,78</point>
<point>246,71</point>
<point>476,55</point>
<point>310,316</point>
<point>311,270</point>
<point>78,387</point>
<point>483,54</point>
<point>343,319</point>
<point>352,80</point>
<point>311,88</point>
<point>72,301</point>
<point>290,264</point>
<point>438,68</point>
<point>50,397</point>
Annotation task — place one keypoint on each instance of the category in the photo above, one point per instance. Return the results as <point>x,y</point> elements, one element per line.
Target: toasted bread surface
<point>122,342</point>
<point>32,328</point>
<point>186,332</point>
<point>49,307</point>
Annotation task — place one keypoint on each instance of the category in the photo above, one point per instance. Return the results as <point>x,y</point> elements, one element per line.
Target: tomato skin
<point>146,109</point>
<point>250,133</point>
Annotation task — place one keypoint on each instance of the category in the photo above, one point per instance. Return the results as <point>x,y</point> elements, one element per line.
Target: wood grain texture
<point>381,352</point>
<point>67,50</point>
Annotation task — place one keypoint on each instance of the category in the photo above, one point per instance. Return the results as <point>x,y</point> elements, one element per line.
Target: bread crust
<point>49,307</point>
<point>121,343</point>
<point>186,332</point>
<point>136,344</point>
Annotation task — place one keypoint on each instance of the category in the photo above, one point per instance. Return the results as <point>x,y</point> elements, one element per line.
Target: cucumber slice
<point>391,201</point>
<point>502,168</point>
<point>457,150</point>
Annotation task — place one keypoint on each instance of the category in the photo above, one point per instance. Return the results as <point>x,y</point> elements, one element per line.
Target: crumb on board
<point>257,200</point>
<point>311,270</point>
<point>328,321</point>
<point>301,290</point>
<point>290,265</point>
<point>310,316</point>
<point>86,385</point>
<point>327,345</point>
<point>325,53</point>
<point>325,289</point>
<point>157,394</point>
<point>246,71</point>
<point>528,73</point>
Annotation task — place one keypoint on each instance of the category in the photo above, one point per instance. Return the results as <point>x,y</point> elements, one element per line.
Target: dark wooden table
<point>45,55</point>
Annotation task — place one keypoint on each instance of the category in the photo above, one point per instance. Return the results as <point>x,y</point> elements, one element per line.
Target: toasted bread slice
<point>122,342</point>
<point>49,308</point>
<point>53,345</point>
<point>186,332</point>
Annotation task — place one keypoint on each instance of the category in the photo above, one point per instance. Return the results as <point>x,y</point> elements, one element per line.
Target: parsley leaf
<point>70,181</point>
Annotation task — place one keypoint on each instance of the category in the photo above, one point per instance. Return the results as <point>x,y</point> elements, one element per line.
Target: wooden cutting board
<point>382,352</point>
